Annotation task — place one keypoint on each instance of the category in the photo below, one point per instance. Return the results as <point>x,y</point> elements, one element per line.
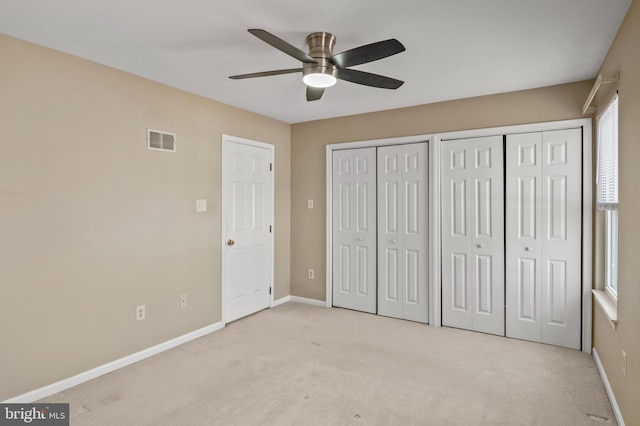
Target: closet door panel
<point>523,229</point>
<point>415,232</point>
<point>544,282</point>
<point>354,230</point>
<point>342,228</point>
<point>456,240</point>
<point>487,239</point>
<point>390,224</point>
<point>473,234</point>
<point>402,231</point>
<point>562,237</point>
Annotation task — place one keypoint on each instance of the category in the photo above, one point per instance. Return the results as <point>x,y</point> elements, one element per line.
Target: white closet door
<point>524,236</point>
<point>543,237</point>
<point>473,234</point>
<point>354,229</point>
<point>403,231</point>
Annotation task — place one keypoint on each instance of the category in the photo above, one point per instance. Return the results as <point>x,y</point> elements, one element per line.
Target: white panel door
<point>354,229</point>
<point>473,234</point>
<point>403,231</point>
<point>248,208</point>
<point>543,237</point>
<point>523,232</point>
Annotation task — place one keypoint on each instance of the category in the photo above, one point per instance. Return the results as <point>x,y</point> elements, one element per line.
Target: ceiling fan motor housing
<point>321,49</point>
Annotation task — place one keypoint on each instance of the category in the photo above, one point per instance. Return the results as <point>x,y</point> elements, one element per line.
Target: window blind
<point>607,175</point>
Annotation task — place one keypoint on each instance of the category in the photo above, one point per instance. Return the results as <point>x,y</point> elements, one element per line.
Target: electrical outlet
<point>140,312</point>
<point>201,205</point>
<point>624,363</point>
<point>310,204</point>
<point>312,274</point>
<point>183,301</point>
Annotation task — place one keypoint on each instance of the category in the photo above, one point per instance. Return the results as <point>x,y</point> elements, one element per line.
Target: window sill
<point>608,306</point>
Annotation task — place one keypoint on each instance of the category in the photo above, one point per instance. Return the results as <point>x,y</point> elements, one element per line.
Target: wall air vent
<point>161,141</point>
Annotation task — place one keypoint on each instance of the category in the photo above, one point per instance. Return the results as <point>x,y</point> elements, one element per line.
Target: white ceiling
<point>455,48</point>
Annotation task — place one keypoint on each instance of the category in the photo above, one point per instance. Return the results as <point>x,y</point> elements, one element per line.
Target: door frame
<point>435,140</point>
<point>433,290</point>
<point>226,140</point>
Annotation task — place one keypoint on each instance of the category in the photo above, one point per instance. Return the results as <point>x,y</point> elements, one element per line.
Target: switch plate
<point>183,301</point>
<point>310,204</point>
<point>140,312</point>
<point>201,206</point>
<point>312,274</point>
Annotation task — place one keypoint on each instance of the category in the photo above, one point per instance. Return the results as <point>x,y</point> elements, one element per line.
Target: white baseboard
<point>313,302</point>
<point>607,387</point>
<point>70,382</point>
<point>280,301</point>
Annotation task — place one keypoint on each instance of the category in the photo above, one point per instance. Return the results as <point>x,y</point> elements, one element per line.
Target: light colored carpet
<point>304,365</point>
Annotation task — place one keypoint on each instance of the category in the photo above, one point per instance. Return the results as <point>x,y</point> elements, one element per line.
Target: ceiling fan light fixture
<point>321,75</point>
<point>319,79</point>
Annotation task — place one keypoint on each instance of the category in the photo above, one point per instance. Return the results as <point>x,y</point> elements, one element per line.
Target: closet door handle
<point>528,248</point>
<point>393,241</point>
<point>480,245</point>
<point>360,238</point>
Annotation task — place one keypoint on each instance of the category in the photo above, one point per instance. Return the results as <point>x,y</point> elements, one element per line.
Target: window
<point>607,190</point>
<point>611,255</point>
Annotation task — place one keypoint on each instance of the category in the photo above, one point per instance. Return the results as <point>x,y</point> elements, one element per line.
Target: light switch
<point>201,205</point>
<point>310,204</point>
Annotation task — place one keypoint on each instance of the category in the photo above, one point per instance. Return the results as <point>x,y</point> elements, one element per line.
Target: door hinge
<point>270,167</point>
<point>270,228</point>
<point>269,290</point>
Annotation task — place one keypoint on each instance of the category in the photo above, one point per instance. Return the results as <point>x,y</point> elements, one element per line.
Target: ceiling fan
<point>321,68</point>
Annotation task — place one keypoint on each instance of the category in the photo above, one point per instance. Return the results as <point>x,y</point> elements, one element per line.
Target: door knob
<point>480,245</point>
<point>528,248</point>
<point>230,242</point>
<point>360,238</point>
<point>393,241</point>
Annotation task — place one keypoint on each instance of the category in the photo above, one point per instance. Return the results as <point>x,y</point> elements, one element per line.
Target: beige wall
<point>623,56</point>
<point>93,224</point>
<point>308,141</point>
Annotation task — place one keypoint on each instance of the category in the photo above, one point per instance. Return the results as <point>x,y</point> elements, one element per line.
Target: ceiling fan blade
<point>367,53</point>
<point>283,46</point>
<point>265,73</point>
<point>314,93</point>
<point>369,79</point>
